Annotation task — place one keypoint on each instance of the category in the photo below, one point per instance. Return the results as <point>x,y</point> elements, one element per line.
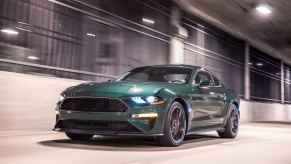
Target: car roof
<point>175,65</point>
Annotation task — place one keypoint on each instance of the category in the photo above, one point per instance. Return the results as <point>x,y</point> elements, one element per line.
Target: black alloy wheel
<point>175,126</point>
<point>232,124</point>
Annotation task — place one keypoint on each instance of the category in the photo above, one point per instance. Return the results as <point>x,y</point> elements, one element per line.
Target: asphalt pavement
<point>259,143</point>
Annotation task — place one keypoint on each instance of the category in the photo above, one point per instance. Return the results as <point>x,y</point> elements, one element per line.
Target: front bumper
<point>114,123</point>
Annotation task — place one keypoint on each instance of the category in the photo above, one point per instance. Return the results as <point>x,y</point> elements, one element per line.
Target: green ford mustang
<point>166,102</point>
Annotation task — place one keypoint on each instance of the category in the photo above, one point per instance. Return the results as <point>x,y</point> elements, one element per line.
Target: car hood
<point>120,89</point>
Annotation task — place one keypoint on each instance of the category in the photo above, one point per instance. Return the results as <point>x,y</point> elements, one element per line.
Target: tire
<point>79,137</point>
<point>232,124</point>
<point>175,126</point>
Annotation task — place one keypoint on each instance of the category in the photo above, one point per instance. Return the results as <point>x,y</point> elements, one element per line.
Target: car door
<point>205,102</point>
<point>219,90</point>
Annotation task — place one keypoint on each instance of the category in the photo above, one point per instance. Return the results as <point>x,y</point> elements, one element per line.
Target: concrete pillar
<point>201,43</point>
<point>282,84</point>
<point>247,72</point>
<point>177,40</point>
<point>177,51</point>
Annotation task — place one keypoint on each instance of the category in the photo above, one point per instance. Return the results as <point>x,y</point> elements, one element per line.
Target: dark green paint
<point>206,107</point>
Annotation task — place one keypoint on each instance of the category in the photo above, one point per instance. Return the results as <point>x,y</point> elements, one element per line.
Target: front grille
<point>94,105</point>
<point>96,126</point>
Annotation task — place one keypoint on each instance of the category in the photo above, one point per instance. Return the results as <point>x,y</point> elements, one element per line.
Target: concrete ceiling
<point>271,34</point>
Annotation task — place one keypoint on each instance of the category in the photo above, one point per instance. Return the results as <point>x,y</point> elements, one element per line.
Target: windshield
<point>158,74</point>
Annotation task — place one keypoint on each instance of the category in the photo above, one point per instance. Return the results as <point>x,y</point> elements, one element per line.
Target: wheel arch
<point>236,102</point>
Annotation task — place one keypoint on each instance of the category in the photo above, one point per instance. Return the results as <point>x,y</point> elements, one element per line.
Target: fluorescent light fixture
<point>250,63</point>
<point>263,9</point>
<point>145,115</point>
<point>32,58</point>
<point>259,64</point>
<point>149,21</point>
<point>90,34</point>
<point>10,31</point>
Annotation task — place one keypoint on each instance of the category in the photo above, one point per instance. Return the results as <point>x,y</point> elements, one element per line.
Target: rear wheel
<point>79,137</point>
<point>232,124</point>
<point>175,126</point>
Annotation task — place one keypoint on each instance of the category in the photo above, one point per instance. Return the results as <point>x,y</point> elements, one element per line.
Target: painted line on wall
<point>201,53</point>
<point>55,68</point>
<point>263,74</point>
<point>264,58</point>
<point>207,32</point>
<point>214,53</point>
<point>119,17</point>
<point>253,55</point>
<point>270,75</point>
<point>106,20</point>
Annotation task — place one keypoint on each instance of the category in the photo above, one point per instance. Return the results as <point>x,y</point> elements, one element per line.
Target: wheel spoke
<point>177,124</point>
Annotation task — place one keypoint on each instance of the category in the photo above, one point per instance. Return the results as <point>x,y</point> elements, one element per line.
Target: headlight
<point>138,100</point>
<point>153,100</point>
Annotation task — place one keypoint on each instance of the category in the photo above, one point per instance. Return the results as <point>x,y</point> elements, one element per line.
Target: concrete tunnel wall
<point>27,102</point>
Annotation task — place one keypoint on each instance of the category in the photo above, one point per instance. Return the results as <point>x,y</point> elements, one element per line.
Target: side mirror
<point>204,83</point>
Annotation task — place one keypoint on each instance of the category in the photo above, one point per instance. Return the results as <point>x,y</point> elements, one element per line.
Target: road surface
<point>260,143</point>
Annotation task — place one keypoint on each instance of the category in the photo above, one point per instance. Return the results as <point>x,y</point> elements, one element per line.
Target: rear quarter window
<point>216,81</point>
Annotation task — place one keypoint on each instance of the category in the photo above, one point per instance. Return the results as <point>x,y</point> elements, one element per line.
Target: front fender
<point>183,99</point>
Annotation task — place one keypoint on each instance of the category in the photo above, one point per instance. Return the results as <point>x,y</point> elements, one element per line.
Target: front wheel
<point>175,126</point>
<point>232,124</point>
<point>79,137</point>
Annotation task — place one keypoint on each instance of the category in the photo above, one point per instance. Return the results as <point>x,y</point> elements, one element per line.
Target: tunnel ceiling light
<point>33,58</point>
<point>250,63</point>
<point>10,31</point>
<point>149,21</point>
<point>263,9</point>
<point>90,34</point>
<point>259,64</point>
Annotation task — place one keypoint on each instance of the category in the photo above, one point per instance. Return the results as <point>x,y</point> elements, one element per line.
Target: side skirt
<point>206,129</point>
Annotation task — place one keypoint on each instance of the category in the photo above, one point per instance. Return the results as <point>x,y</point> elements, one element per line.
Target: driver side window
<point>203,75</point>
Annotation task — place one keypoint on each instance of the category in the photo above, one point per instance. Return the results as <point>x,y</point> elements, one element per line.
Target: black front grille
<point>94,105</point>
<point>96,126</point>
